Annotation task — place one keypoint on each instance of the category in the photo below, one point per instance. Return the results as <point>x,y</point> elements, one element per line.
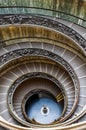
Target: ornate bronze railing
<point>42,11</point>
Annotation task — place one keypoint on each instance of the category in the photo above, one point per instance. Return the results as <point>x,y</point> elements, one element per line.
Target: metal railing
<point>42,11</point>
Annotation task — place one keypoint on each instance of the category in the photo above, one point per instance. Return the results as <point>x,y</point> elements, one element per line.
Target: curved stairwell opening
<point>42,67</point>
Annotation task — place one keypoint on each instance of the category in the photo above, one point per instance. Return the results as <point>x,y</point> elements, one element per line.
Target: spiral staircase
<point>42,52</point>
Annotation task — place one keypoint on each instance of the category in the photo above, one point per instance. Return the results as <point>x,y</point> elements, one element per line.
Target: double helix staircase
<point>22,56</point>
<point>59,73</point>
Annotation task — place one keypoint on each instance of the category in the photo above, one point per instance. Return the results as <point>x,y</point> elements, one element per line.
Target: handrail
<point>76,126</point>
<point>55,14</point>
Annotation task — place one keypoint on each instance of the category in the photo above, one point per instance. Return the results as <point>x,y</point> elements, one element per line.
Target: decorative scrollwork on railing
<point>39,52</point>
<point>36,75</point>
<point>44,21</point>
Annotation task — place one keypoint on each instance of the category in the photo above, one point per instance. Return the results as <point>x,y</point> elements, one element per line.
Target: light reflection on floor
<point>35,110</point>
